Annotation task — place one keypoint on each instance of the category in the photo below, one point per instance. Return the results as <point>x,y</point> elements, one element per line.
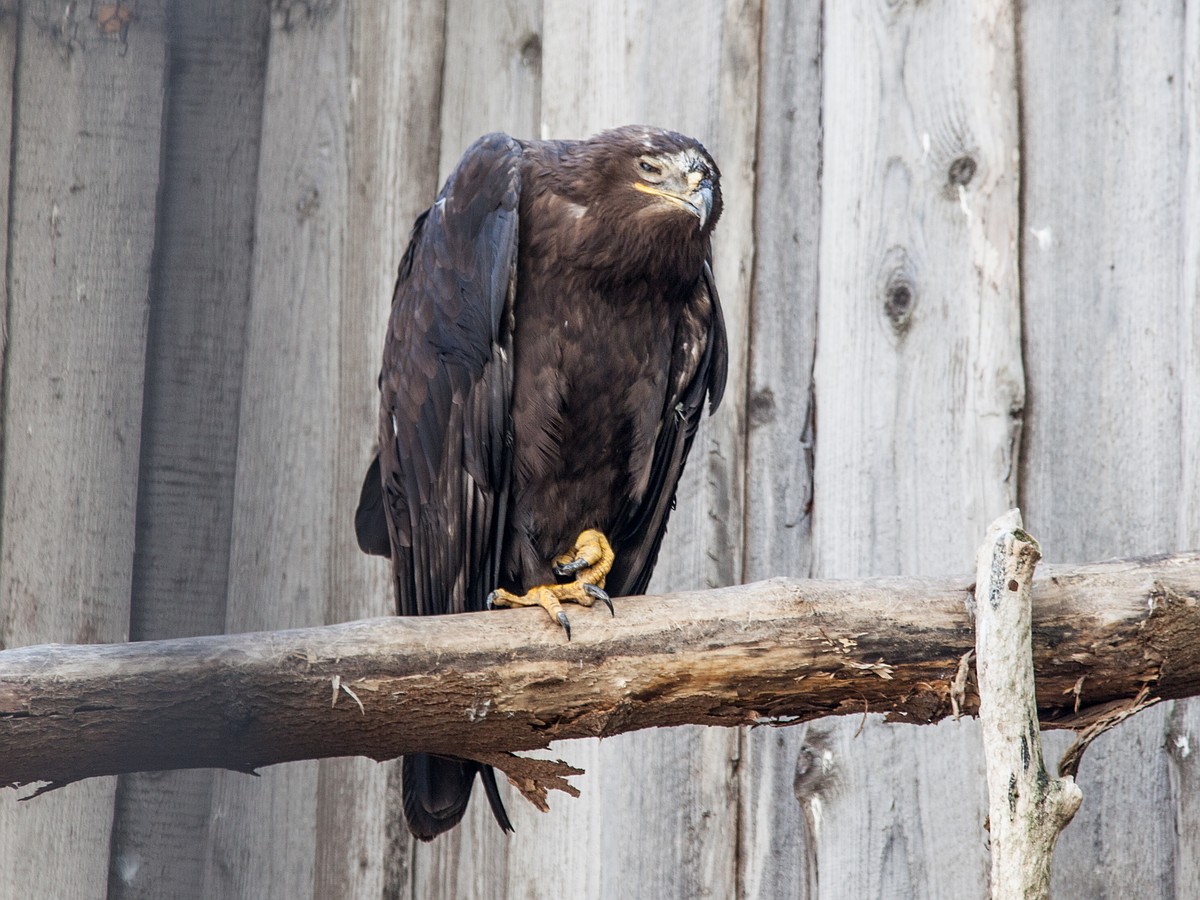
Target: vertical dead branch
<point>1027,808</point>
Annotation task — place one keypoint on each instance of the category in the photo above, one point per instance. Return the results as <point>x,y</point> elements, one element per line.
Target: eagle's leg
<point>589,561</point>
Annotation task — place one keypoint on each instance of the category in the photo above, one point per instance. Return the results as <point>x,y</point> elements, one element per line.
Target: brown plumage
<point>555,331</point>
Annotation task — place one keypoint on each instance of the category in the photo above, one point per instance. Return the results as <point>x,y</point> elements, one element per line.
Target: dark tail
<point>370,519</point>
<point>436,791</point>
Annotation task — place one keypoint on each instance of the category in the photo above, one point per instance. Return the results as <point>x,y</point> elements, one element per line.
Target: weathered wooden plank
<point>492,75</point>
<point>262,838</point>
<point>491,81</point>
<point>395,63</point>
<point>199,306</point>
<point>775,843</point>
<point>1183,725</point>
<point>1104,119</point>
<point>918,378</point>
<point>82,187</point>
<point>8,62</point>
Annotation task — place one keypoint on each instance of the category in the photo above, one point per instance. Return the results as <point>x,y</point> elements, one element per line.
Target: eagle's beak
<point>698,200</point>
<point>701,201</point>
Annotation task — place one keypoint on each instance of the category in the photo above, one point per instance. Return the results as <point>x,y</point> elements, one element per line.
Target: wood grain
<point>199,304</point>
<point>262,839</point>
<point>1104,315</point>
<point>83,178</point>
<point>919,391</point>
<point>775,845</point>
<point>392,156</point>
<point>9,10</point>
<point>1183,722</point>
<point>492,74</point>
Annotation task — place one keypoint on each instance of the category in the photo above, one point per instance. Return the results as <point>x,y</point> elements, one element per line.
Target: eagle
<point>555,332</point>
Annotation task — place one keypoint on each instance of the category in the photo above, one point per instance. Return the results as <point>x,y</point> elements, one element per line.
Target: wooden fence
<point>960,262</point>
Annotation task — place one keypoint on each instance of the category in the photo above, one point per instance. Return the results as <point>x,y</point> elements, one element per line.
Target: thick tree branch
<point>488,684</point>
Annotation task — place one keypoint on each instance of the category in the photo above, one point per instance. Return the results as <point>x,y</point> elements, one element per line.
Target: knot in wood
<point>962,170</point>
<point>898,304</point>
<point>899,288</point>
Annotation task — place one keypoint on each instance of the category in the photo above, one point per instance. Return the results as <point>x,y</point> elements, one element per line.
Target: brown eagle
<point>554,333</point>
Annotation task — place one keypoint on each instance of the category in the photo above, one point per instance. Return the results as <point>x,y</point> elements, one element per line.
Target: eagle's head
<point>675,171</point>
<point>654,172</point>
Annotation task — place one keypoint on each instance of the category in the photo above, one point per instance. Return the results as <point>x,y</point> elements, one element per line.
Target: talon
<point>565,623</point>
<point>571,567</point>
<point>491,599</point>
<point>602,595</point>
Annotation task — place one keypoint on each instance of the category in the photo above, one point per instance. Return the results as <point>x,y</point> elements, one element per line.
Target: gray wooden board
<point>492,74</point>
<point>917,377</point>
<point>85,158</point>
<point>262,839</point>
<point>775,854</point>
<point>392,157</point>
<point>1183,729</point>
<point>1106,108</point>
<point>8,64</point>
<point>199,303</point>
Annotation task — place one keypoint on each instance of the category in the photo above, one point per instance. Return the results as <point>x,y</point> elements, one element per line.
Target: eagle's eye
<point>649,168</point>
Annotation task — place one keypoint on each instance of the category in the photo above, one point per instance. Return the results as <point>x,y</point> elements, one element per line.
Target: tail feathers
<point>370,519</point>
<point>488,776</point>
<point>436,791</point>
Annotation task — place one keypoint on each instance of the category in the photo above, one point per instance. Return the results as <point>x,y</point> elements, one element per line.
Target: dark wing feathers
<point>642,529</point>
<point>447,381</point>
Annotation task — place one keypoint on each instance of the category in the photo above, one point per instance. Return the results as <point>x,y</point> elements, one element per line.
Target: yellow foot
<point>589,561</point>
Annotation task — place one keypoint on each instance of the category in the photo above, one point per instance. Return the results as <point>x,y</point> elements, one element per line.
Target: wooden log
<point>1027,809</point>
<point>484,684</point>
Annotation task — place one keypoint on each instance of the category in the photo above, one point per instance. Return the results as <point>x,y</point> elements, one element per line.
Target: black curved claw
<point>565,623</point>
<point>570,567</point>
<point>491,599</point>
<point>600,594</point>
